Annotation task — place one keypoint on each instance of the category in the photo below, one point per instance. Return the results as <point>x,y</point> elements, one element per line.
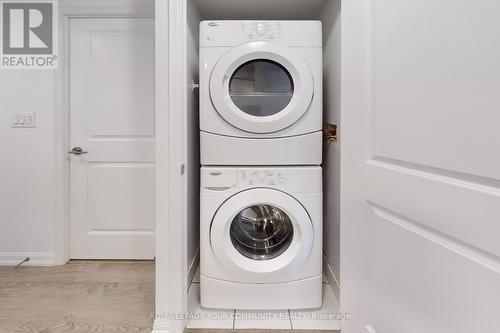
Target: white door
<point>261,87</point>
<point>112,119</point>
<point>420,195</point>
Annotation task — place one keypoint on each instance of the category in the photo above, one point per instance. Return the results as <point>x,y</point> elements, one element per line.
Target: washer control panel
<point>262,30</point>
<point>287,179</point>
<point>262,177</point>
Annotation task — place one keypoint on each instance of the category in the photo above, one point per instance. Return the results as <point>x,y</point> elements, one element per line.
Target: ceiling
<point>259,9</point>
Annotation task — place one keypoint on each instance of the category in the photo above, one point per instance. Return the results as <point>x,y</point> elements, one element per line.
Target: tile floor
<point>283,320</point>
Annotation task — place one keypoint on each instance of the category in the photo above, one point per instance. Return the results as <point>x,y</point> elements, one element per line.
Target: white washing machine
<point>261,237</point>
<point>261,92</point>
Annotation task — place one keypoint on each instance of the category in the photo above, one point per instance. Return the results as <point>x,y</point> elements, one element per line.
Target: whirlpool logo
<point>29,34</point>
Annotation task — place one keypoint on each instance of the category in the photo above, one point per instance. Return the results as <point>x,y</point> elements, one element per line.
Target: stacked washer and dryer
<point>261,180</point>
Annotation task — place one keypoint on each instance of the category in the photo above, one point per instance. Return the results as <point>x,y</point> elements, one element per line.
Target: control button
<point>261,176</point>
<point>260,29</point>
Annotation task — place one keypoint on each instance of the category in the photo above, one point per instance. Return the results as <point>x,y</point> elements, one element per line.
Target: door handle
<point>77,151</point>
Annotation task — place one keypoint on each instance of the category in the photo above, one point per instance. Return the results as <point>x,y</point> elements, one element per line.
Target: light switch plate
<point>23,119</point>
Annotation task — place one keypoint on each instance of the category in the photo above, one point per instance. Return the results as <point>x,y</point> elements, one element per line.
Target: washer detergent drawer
<point>218,179</point>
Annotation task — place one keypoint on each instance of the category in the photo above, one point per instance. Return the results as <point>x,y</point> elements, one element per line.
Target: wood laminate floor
<point>81,296</point>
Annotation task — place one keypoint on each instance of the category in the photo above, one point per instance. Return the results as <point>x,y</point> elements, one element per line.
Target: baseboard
<point>193,266</point>
<point>334,283</point>
<point>36,259</point>
<point>162,325</point>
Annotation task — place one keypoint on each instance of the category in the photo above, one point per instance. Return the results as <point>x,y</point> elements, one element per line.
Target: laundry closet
<point>404,247</point>
<point>279,157</point>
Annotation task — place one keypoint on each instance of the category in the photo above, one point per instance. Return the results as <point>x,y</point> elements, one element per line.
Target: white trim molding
<point>193,266</point>
<point>36,259</point>
<point>330,275</point>
<point>61,228</point>
<point>96,8</point>
<point>177,143</point>
<point>171,225</point>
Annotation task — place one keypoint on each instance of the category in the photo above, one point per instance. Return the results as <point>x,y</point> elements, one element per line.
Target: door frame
<point>171,103</point>
<point>69,9</point>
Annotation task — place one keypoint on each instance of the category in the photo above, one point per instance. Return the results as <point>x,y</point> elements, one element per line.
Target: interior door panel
<point>420,196</point>
<point>112,118</point>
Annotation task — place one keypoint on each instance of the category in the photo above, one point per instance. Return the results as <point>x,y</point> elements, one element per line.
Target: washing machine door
<point>261,231</point>
<point>261,87</point>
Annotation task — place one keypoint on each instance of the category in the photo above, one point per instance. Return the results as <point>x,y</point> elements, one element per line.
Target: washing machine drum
<point>261,231</point>
<point>261,87</point>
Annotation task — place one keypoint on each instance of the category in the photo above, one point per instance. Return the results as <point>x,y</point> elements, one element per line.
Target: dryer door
<point>261,87</point>
<point>261,231</point>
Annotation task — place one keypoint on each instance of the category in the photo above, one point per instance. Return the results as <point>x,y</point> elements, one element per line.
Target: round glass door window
<point>261,87</point>
<point>261,232</point>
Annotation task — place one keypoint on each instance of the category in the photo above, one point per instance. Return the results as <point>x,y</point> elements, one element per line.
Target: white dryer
<point>261,237</point>
<point>260,92</point>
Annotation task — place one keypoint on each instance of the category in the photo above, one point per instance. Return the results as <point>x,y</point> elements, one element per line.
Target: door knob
<point>77,151</point>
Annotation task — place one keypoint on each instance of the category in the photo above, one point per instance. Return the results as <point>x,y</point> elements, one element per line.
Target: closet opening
<point>328,13</point>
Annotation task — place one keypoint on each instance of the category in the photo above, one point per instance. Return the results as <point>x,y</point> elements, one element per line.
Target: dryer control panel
<point>262,30</point>
<point>234,33</point>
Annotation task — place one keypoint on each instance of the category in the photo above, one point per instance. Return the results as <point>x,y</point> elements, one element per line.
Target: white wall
<point>27,170</point>
<point>192,131</point>
<point>330,16</point>
<point>259,9</point>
